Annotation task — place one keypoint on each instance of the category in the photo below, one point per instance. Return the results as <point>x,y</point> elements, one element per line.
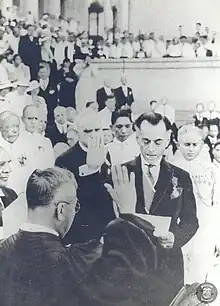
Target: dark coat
<point>30,53</point>
<point>9,197</point>
<point>122,99</point>
<point>182,209</point>
<point>54,135</point>
<point>50,94</point>
<point>37,270</point>
<point>67,89</point>
<point>102,97</point>
<point>96,209</point>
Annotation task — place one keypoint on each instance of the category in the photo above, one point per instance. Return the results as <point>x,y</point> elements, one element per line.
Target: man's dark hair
<point>199,23</point>
<point>154,119</point>
<point>183,37</point>
<point>42,185</point>
<point>216,144</point>
<point>152,102</point>
<point>121,113</point>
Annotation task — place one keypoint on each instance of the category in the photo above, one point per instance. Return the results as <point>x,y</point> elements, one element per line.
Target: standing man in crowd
<point>124,95</point>
<point>29,50</point>
<point>87,160</point>
<point>103,93</point>
<point>163,190</point>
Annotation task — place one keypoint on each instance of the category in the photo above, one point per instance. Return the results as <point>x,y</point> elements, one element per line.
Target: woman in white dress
<point>199,252</point>
<point>33,98</point>
<point>20,70</point>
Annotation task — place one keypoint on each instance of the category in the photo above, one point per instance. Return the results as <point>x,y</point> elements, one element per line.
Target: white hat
<point>6,85</point>
<point>23,82</point>
<point>33,85</point>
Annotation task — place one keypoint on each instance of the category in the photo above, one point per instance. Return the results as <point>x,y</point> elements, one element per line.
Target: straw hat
<point>33,85</point>
<point>6,85</point>
<point>23,82</point>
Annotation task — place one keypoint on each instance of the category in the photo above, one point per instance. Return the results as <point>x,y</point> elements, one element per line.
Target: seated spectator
<point>199,119</point>
<point>35,99</point>
<point>124,95</point>
<point>72,136</point>
<point>213,133</point>
<point>67,80</point>
<point>103,93</point>
<point>71,115</point>
<point>186,48</point>
<point>174,49</point>
<point>101,51</point>
<point>126,47</point>
<point>116,48</point>
<point>161,46</point>
<point>166,110</point>
<point>20,70</point>
<point>60,148</point>
<point>206,48</point>
<point>211,113</point>
<point>5,88</point>
<point>124,147</point>
<point>7,195</point>
<point>18,99</point>
<point>96,206</point>
<point>19,149</point>
<point>106,113</point>
<point>57,132</point>
<point>206,191</point>
<point>41,146</point>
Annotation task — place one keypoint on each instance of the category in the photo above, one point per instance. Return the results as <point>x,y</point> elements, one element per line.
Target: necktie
<point>149,173</point>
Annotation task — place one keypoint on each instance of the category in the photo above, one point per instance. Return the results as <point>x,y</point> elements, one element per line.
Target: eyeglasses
<point>90,131</point>
<point>77,207</point>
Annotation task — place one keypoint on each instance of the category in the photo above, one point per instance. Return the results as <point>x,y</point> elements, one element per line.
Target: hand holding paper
<point>123,193</point>
<point>167,240</point>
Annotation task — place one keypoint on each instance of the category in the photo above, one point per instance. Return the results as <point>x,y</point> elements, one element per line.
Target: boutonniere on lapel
<point>177,190</point>
<point>51,91</point>
<point>22,160</point>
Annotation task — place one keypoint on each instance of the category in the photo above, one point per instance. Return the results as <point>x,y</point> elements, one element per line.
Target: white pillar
<point>5,4</point>
<point>53,7</point>
<point>108,15</point>
<point>123,15</point>
<point>33,7</point>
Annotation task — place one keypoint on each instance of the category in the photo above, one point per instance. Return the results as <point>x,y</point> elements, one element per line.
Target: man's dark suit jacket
<point>30,53</point>
<point>96,209</point>
<point>54,135</point>
<point>182,209</point>
<point>9,197</point>
<point>102,97</point>
<point>121,99</point>
<point>37,270</point>
<point>50,94</point>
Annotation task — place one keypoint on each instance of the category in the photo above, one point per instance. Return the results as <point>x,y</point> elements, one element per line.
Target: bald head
<point>190,141</point>
<point>31,118</point>
<point>9,126</point>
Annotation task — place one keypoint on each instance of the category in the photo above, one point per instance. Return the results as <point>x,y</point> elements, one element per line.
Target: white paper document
<point>161,224</point>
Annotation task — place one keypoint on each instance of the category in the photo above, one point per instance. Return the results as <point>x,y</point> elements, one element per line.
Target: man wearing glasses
<point>36,269</point>
<point>87,160</point>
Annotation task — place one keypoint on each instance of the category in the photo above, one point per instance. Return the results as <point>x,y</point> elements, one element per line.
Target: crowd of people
<point>119,160</point>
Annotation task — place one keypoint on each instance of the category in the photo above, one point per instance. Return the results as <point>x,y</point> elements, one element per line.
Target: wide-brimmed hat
<point>33,85</point>
<point>6,85</point>
<point>23,82</point>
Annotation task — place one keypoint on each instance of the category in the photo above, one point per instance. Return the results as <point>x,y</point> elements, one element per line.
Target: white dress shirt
<point>14,43</point>
<point>108,90</point>
<point>59,53</point>
<point>122,152</point>
<point>125,90</point>
<point>62,128</point>
<point>187,50</point>
<point>44,83</point>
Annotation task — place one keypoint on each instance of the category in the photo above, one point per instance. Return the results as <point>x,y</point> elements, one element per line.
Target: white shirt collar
<point>85,149</point>
<point>37,228</point>
<point>61,127</point>
<point>143,161</point>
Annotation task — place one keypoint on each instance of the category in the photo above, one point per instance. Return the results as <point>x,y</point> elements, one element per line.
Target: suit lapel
<point>162,185</point>
<point>140,206</point>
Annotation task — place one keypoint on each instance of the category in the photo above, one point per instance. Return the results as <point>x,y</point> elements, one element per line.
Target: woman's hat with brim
<point>6,85</point>
<point>33,85</point>
<point>23,82</point>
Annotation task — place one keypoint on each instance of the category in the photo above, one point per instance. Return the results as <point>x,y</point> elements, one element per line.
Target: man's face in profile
<point>153,140</point>
<point>5,168</point>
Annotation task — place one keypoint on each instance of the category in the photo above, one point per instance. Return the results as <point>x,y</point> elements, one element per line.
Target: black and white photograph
<point>109,152</point>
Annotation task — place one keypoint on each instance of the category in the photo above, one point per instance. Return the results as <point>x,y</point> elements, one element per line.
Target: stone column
<point>52,7</point>
<point>33,7</point>
<point>123,8</point>
<point>5,4</point>
<point>108,15</point>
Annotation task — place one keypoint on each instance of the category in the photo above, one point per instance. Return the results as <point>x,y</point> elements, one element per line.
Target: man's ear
<point>60,211</point>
